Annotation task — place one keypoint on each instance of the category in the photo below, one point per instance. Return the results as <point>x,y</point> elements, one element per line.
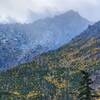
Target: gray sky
<point>19,10</point>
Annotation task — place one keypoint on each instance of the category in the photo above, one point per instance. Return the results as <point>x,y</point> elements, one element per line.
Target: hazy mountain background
<point>19,42</point>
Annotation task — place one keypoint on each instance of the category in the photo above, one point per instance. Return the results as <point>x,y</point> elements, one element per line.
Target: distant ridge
<point>19,41</point>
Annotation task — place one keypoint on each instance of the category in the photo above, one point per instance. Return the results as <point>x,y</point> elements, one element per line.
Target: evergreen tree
<point>84,86</point>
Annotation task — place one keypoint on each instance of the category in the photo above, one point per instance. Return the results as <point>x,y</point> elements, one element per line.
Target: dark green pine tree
<point>84,86</point>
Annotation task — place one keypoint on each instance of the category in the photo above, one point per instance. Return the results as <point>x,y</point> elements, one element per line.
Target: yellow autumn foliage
<point>33,93</point>
<point>16,93</point>
<point>58,84</point>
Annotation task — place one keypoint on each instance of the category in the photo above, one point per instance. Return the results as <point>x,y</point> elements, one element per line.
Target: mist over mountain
<point>60,29</point>
<point>18,41</point>
<point>84,48</point>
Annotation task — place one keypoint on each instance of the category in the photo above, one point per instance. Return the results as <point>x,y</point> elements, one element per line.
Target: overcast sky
<point>21,10</point>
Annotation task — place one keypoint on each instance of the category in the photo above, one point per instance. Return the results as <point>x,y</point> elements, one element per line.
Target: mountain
<point>19,42</point>
<point>59,29</point>
<point>82,49</point>
<point>12,44</point>
<point>55,75</point>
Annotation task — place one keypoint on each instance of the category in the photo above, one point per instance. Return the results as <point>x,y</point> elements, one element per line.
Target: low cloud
<point>19,10</point>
